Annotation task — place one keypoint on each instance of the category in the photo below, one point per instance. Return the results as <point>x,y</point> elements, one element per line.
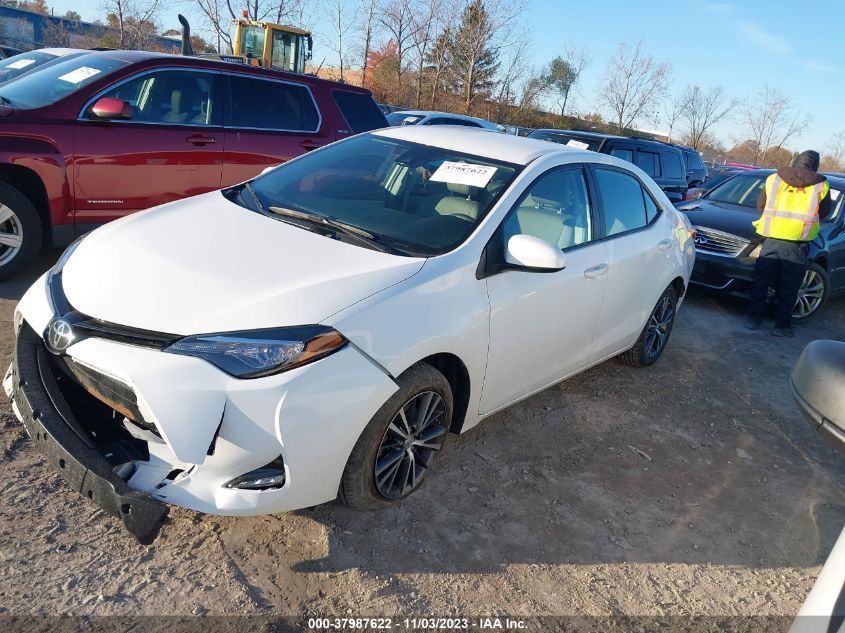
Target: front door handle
<point>596,272</point>
<point>199,139</point>
<point>664,245</point>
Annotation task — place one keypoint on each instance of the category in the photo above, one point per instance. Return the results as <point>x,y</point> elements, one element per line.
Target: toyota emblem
<point>59,336</point>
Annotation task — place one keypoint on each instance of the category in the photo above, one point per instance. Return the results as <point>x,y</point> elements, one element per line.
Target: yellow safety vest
<point>791,213</point>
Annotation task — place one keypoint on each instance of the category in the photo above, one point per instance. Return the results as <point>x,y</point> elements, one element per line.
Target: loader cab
<point>285,48</point>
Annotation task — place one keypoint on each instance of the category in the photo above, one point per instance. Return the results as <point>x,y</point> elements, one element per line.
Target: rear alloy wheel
<point>399,445</point>
<point>812,295</point>
<point>656,332</point>
<point>20,231</point>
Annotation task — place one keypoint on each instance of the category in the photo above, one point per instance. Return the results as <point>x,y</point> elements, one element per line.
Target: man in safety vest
<point>793,202</point>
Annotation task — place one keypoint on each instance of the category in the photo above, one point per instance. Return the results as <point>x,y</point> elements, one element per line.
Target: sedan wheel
<point>812,294</point>
<point>398,447</point>
<point>409,444</point>
<point>655,334</point>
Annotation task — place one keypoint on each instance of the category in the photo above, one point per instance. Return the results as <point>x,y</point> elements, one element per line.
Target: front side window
<point>58,80</point>
<point>649,162</point>
<point>175,97</point>
<point>673,165</point>
<point>252,44</point>
<point>742,190</point>
<point>271,105</point>
<point>555,208</point>
<point>415,199</point>
<point>627,206</point>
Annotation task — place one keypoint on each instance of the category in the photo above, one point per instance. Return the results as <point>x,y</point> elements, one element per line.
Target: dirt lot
<point>728,506</point>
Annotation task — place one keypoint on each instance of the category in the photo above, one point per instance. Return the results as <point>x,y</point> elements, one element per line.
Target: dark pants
<point>781,265</point>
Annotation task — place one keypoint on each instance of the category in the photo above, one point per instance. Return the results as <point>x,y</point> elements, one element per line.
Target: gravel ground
<point>689,488</point>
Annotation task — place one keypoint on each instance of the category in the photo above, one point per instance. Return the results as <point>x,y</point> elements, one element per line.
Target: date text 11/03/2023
<point>416,624</point>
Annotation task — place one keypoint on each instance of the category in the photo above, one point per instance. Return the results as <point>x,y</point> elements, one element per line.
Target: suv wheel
<point>400,444</point>
<point>812,295</point>
<point>21,233</point>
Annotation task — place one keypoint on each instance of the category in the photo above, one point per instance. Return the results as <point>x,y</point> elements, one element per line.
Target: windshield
<point>414,199</point>
<point>17,65</point>
<point>742,190</point>
<point>572,140</point>
<point>401,118</point>
<point>58,80</point>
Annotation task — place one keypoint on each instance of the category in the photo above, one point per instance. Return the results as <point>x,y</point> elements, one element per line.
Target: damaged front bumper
<point>53,427</point>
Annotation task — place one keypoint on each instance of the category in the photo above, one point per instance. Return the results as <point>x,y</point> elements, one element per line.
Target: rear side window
<point>624,154</point>
<point>649,162</point>
<point>271,105</point>
<point>694,160</point>
<point>360,111</point>
<point>672,166</point>
<point>627,206</point>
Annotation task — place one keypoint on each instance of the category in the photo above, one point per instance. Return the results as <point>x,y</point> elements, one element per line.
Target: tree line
<point>476,57</point>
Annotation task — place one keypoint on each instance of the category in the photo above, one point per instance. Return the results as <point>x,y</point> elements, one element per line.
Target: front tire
<point>21,233</point>
<point>401,442</point>
<point>655,335</point>
<point>812,295</point>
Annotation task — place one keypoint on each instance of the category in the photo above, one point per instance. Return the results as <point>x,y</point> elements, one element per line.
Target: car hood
<point>728,218</point>
<point>206,265</point>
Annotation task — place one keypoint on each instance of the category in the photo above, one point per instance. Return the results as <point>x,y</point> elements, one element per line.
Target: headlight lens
<point>261,352</point>
<point>756,252</point>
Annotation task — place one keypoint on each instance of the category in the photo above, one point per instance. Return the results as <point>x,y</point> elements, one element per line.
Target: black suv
<point>663,162</point>
<point>696,171</point>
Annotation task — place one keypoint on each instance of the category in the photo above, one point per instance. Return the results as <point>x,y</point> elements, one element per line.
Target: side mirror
<point>817,389</point>
<point>111,109</point>
<point>532,253</point>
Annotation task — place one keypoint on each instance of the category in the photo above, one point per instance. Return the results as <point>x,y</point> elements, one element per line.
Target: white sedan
<point>318,331</point>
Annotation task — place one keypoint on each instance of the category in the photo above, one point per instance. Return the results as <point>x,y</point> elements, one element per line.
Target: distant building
<point>27,30</point>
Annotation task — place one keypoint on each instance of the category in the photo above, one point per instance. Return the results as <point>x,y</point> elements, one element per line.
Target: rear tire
<point>21,232</point>
<point>386,446</point>
<point>655,335</point>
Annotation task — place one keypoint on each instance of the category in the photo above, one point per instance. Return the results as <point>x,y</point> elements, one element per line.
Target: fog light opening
<point>268,477</point>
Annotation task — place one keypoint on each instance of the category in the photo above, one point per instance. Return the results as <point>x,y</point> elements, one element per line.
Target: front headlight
<point>756,252</point>
<point>261,352</point>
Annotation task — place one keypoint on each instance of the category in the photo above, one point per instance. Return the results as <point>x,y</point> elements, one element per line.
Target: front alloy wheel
<point>409,444</point>
<point>11,235</point>
<point>812,294</point>
<point>398,447</point>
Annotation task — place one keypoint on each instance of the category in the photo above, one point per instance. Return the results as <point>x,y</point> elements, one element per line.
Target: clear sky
<point>740,44</point>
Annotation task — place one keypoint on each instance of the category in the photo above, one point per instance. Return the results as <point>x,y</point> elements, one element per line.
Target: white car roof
<point>504,147</point>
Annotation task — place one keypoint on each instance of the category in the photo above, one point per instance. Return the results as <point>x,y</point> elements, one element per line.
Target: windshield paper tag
<point>834,194</point>
<point>80,74</point>
<point>463,174</point>
<point>577,144</point>
<point>21,63</point>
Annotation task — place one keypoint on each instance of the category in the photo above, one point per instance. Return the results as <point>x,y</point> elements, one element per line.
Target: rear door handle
<point>596,272</point>
<point>199,139</point>
<point>664,245</point>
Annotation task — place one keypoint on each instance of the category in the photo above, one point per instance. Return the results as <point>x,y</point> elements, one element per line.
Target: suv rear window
<point>267,104</point>
<point>672,166</point>
<point>360,111</point>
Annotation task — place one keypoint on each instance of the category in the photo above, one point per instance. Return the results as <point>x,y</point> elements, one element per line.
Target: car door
<point>269,122</point>
<point>542,323</point>
<point>834,227</point>
<point>171,147</point>
<point>637,240</point>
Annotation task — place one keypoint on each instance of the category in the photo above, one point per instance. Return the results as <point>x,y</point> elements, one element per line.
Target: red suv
<point>101,135</point>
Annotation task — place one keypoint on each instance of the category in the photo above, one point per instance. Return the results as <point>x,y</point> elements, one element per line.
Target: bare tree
<point>565,71</point>
<point>398,19</point>
<point>770,120</point>
<point>341,22</point>
<point>369,9</point>
<point>424,28</point>
<point>701,110</point>
<point>219,20</point>
<point>634,82</point>
<point>134,20</point>
<point>672,112</point>
<point>835,149</point>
